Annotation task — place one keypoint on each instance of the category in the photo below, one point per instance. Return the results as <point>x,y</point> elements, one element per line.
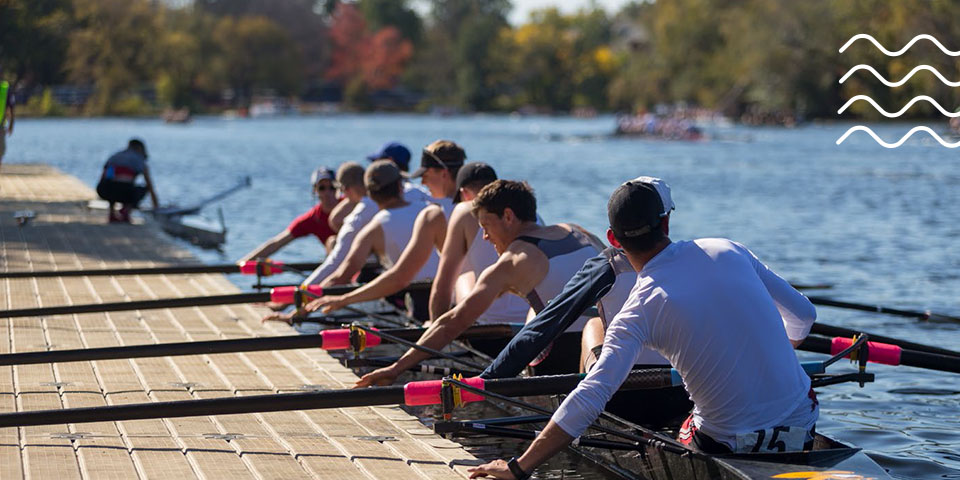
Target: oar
<point>250,268</point>
<point>833,331</point>
<point>414,393</point>
<point>178,211</point>
<point>883,353</point>
<point>812,286</point>
<point>829,302</point>
<point>279,295</point>
<point>338,339</point>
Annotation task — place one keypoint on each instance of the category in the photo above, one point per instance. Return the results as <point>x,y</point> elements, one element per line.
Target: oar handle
<point>884,353</point>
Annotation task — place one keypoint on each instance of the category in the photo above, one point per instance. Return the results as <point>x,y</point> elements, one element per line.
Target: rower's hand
<point>275,306</point>
<point>378,378</point>
<point>279,317</point>
<point>495,469</point>
<point>327,304</point>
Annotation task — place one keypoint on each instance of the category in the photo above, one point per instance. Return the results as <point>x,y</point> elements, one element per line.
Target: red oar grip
<point>427,392</point>
<point>879,352</point>
<point>339,339</point>
<point>268,268</point>
<point>286,294</point>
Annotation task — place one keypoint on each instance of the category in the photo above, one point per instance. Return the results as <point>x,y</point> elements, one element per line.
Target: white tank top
<point>566,256</point>
<point>397,225</point>
<point>611,303</point>
<point>506,308</point>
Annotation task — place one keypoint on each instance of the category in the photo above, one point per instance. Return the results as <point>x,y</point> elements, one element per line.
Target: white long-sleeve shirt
<point>722,319</point>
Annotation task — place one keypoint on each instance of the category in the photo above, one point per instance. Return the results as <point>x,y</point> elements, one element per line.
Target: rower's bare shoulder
<point>523,254</point>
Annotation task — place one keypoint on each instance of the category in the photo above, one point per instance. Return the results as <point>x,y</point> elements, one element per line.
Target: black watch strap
<point>515,469</point>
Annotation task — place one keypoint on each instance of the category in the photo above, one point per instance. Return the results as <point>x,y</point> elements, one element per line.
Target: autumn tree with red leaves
<point>365,61</point>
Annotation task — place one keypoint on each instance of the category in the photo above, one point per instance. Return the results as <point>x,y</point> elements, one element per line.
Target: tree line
<point>734,56</point>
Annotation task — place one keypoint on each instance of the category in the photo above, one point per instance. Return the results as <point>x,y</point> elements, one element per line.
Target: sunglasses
<point>324,188</point>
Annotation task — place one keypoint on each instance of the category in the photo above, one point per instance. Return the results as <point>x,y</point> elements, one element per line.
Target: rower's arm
<point>345,238</point>
<point>428,233</point>
<point>339,214</point>
<point>494,281</point>
<point>367,241</point>
<point>581,408</point>
<point>269,247</point>
<point>451,262</point>
<point>592,282</point>
<point>797,311</point>
<point>149,180</point>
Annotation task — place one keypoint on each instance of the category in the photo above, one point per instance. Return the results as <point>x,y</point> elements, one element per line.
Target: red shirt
<point>314,222</point>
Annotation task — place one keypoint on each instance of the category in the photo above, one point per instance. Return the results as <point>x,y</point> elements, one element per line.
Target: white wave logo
<point>902,110</point>
<point>907,77</point>
<point>884,144</point>
<point>903,80</point>
<point>864,36</point>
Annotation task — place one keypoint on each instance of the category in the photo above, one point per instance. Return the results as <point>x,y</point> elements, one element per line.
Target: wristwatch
<point>515,469</point>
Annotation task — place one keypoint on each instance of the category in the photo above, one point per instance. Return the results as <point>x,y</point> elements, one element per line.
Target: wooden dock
<point>353,443</point>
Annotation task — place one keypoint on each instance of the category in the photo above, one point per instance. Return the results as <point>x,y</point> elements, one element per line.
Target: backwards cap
<point>638,206</point>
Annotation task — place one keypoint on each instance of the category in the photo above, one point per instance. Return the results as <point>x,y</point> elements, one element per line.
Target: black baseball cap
<point>638,206</point>
<point>440,154</point>
<point>471,173</point>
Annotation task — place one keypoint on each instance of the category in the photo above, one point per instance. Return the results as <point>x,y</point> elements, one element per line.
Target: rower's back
<point>566,248</point>
<point>719,315</point>
<point>397,224</point>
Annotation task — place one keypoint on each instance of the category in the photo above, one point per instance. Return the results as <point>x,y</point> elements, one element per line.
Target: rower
<point>360,208</point>
<point>400,155</point>
<point>605,281</point>
<point>117,185</point>
<point>440,164</point>
<point>454,240</point>
<point>534,262</point>
<point>387,233</point>
<point>724,320</point>
<point>315,221</point>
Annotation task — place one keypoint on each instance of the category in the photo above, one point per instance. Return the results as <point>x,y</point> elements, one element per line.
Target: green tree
<point>256,53</point>
<point>392,13</point>
<point>114,48</point>
<point>33,40</point>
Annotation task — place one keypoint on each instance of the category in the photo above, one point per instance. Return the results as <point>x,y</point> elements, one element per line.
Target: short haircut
<point>641,243</point>
<point>350,174</point>
<point>137,144</point>
<point>499,195</point>
<point>388,192</point>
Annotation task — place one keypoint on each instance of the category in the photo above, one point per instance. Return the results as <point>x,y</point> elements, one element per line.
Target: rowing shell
<point>829,459</point>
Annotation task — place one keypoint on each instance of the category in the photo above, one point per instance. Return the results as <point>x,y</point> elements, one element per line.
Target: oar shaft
<point>215,406</point>
<point>833,331</point>
<point>138,305</point>
<point>260,344</point>
<point>168,270</point>
<point>829,302</point>
<point>394,395</point>
<point>229,299</point>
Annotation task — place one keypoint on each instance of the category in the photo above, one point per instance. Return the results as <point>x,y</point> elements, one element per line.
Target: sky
<point>522,8</point>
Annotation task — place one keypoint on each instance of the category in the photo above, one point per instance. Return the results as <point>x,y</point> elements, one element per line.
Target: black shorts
<point>121,192</point>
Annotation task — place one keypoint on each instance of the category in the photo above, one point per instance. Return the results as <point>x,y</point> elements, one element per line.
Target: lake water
<point>880,225</point>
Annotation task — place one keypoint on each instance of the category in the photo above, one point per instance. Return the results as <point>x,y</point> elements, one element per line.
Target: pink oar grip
<point>269,268</point>
<point>286,294</point>
<point>427,392</point>
<point>879,352</point>
<point>339,339</point>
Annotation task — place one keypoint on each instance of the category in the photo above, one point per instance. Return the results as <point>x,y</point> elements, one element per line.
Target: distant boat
<point>658,127</point>
<point>180,115</point>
